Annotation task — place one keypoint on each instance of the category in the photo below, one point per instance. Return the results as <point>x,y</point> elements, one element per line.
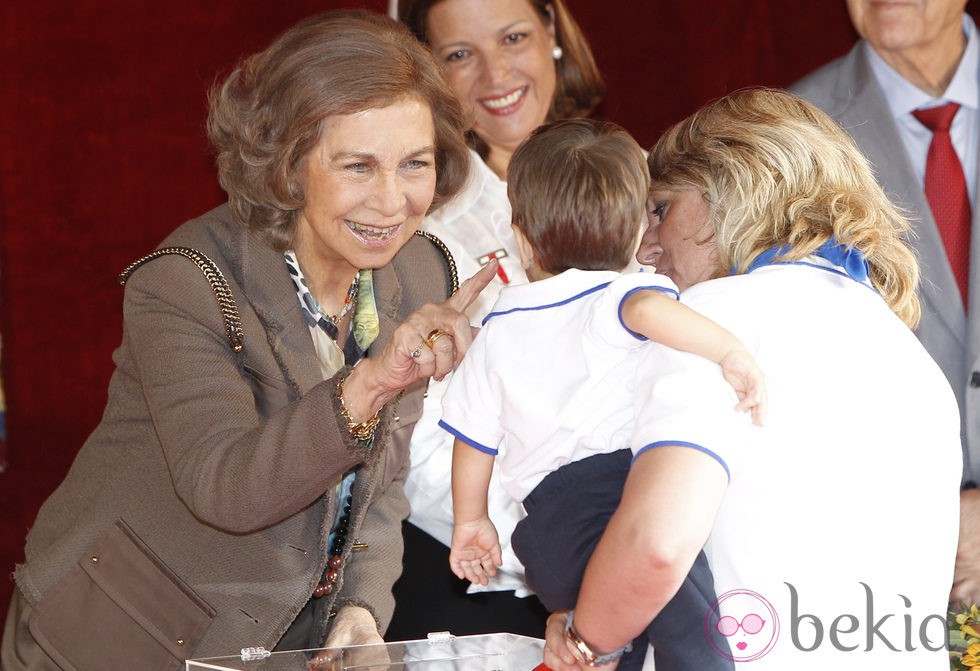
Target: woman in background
<point>514,64</point>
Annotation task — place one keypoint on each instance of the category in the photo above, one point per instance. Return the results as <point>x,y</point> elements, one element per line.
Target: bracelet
<point>589,656</point>
<point>361,431</point>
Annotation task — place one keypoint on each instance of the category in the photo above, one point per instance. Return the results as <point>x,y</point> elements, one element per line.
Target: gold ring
<point>434,335</point>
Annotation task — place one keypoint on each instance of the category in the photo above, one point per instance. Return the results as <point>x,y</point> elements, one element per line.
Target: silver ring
<point>417,352</point>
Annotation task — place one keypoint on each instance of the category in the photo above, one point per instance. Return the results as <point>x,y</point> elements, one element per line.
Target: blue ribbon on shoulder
<point>850,259</point>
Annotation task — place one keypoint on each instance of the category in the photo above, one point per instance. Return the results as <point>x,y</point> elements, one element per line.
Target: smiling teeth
<point>375,232</point>
<point>500,103</point>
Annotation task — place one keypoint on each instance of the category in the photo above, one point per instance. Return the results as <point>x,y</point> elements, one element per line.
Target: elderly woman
<point>831,531</point>
<point>514,64</point>
<point>245,485</point>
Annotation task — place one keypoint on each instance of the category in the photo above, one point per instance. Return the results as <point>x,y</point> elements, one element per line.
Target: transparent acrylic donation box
<point>441,652</point>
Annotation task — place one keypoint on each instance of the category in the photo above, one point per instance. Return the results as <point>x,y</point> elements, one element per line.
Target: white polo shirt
<point>549,379</point>
<point>852,482</point>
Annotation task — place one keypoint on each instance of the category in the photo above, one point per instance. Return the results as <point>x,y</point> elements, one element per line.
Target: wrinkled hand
<point>474,552</point>
<point>966,573</point>
<point>353,626</point>
<point>429,343</point>
<point>743,373</point>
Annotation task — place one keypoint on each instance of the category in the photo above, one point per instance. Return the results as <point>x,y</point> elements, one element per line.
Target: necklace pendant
<point>348,304</point>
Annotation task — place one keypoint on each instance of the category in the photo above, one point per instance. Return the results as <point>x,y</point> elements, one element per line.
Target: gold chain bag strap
<point>450,262</point>
<point>222,291</point>
<point>219,286</point>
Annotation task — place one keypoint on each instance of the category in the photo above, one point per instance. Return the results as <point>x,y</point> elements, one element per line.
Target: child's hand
<point>745,376</point>
<point>474,553</point>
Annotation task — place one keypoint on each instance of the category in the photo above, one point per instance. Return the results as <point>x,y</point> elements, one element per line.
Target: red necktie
<point>946,191</point>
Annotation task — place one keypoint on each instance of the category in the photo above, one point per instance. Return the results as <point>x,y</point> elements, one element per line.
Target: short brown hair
<point>577,190</point>
<point>269,113</point>
<point>778,172</point>
<point>579,86</point>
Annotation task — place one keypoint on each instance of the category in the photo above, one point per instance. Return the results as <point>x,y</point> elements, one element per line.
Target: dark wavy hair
<point>579,86</point>
<point>269,113</point>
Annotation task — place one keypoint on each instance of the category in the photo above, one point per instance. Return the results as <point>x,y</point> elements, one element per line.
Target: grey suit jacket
<point>222,468</point>
<point>847,90</point>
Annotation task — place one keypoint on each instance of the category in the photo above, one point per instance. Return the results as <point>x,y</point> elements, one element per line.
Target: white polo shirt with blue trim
<point>549,379</point>
<point>843,508</point>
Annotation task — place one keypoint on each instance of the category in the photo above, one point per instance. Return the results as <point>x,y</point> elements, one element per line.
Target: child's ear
<point>525,248</point>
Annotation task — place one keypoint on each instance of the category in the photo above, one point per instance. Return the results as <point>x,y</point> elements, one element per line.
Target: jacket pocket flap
<point>120,605</point>
<point>134,577</point>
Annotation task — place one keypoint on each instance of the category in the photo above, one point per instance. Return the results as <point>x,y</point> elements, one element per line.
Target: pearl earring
<point>557,53</point>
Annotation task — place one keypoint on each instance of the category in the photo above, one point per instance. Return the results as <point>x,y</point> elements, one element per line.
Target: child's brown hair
<point>578,190</point>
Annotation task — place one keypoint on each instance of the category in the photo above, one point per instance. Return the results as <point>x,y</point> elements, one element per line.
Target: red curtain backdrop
<point>102,153</point>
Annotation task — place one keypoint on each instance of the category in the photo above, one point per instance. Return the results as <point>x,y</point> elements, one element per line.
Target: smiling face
<point>921,39</point>
<point>679,238</point>
<point>896,25</point>
<point>498,58</point>
<point>368,184</point>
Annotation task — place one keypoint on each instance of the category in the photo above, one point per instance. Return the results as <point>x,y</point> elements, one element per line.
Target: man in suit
<point>914,55</point>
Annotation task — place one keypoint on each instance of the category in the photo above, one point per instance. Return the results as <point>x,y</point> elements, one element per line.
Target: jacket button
<point>975,379</point>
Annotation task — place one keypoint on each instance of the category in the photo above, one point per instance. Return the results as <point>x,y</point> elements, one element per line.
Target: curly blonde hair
<point>778,172</point>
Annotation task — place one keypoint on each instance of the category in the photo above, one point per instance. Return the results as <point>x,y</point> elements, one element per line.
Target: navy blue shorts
<point>566,516</point>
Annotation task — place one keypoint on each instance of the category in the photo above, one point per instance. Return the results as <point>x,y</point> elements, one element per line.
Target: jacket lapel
<point>388,298</point>
<point>271,293</point>
<point>861,99</point>
<point>973,325</point>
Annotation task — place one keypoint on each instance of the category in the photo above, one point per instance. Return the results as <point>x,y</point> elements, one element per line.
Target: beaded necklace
<point>362,331</point>
<point>336,561</point>
<point>348,304</point>
<point>315,314</point>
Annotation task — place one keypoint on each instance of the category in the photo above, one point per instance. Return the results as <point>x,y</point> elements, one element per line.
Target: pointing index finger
<point>471,288</point>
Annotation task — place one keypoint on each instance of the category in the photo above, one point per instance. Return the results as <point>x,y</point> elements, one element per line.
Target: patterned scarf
<point>364,323</point>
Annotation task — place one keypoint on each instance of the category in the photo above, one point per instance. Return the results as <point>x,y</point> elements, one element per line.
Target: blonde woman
<point>831,531</point>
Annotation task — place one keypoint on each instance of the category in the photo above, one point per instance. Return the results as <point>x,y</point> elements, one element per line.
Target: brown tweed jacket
<point>221,469</point>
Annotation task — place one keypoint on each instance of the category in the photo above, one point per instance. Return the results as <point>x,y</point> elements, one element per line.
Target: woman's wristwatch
<point>590,656</point>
